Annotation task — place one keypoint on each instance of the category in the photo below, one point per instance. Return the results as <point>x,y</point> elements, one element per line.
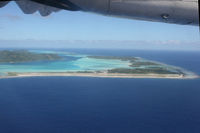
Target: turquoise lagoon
<point>75,62</point>
<point>71,62</point>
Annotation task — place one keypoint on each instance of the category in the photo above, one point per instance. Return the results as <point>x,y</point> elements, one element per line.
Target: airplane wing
<point>168,11</point>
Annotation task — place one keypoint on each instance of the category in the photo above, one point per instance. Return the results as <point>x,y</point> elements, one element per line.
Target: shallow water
<point>69,62</point>
<point>75,62</point>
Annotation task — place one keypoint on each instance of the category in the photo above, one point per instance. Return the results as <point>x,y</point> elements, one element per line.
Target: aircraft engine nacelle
<point>169,11</point>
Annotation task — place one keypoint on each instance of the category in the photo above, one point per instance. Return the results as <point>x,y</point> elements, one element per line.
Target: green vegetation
<point>143,63</point>
<point>18,56</point>
<point>158,70</point>
<point>11,74</point>
<point>84,72</point>
<point>135,62</point>
<point>139,66</point>
<point>114,58</point>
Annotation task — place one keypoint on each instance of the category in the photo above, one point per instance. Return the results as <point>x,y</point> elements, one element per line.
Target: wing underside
<point>168,11</point>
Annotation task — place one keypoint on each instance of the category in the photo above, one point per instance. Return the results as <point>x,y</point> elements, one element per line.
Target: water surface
<point>104,105</point>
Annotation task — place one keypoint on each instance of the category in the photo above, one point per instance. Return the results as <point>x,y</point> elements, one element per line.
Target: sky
<point>73,29</point>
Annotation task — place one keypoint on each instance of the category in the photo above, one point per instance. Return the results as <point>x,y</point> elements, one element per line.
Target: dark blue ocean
<point>104,105</point>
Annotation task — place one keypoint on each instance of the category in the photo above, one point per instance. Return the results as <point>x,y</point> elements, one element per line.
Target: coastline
<point>100,75</point>
<point>87,66</point>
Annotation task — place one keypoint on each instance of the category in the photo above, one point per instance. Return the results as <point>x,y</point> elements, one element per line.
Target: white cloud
<point>109,44</point>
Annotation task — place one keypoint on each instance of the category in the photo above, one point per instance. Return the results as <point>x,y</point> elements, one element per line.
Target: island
<point>17,56</point>
<point>140,66</point>
<point>20,63</point>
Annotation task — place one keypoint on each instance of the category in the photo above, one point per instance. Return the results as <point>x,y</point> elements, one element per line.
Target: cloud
<point>11,17</point>
<point>105,44</point>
